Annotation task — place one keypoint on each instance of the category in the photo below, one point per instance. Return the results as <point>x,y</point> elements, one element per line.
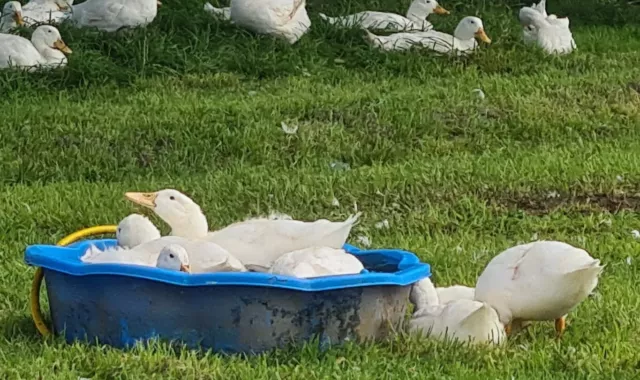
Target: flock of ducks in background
<point>287,19</point>
<point>538,281</point>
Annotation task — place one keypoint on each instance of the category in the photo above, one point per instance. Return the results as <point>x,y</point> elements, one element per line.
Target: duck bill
<point>482,36</point>
<point>63,5</point>
<point>143,199</point>
<point>185,268</point>
<point>60,45</point>
<point>18,18</point>
<point>440,10</point>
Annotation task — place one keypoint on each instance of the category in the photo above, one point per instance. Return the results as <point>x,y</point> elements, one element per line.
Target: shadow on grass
<point>20,328</point>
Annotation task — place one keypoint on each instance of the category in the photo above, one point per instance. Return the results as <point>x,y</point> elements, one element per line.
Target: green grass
<point>195,104</point>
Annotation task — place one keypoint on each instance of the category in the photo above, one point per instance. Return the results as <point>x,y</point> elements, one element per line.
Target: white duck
<point>416,18</point>
<point>256,241</point>
<point>204,256</point>
<point>174,257</point>
<point>549,32</point>
<point>461,42</point>
<point>454,293</point>
<point>313,262</point>
<point>221,13</point>
<point>113,15</point>
<point>424,293</point>
<point>538,281</point>
<point>45,50</point>
<point>463,319</point>
<point>11,17</point>
<point>134,230</point>
<point>286,19</point>
<point>46,11</point>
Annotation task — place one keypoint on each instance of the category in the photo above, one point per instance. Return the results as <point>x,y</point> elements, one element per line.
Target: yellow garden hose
<point>36,313</point>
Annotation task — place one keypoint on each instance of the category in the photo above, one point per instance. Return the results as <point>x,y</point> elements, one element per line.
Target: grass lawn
<point>551,152</point>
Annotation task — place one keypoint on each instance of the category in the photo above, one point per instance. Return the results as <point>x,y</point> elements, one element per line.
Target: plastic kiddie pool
<point>120,305</point>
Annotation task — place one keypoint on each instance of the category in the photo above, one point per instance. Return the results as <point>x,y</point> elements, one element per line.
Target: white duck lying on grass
<point>45,50</point>
<point>459,319</point>
<point>46,11</point>
<point>313,262</point>
<point>549,32</point>
<point>254,242</point>
<point>113,15</point>
<point>286,19</point>
<point>11,17</point>
<point>462,41</point>
<point>416,18</point>
<point>539,281</point>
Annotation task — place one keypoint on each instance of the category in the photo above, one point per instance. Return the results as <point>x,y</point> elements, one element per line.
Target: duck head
<point>174,257</point>
<point>471,27</point>
<point>181,213</point>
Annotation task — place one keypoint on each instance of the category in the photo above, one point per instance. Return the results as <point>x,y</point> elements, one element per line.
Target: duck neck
<point>418,12</point>
<point>50,56</point>
<point>463,40</point>
<point>193,226</point>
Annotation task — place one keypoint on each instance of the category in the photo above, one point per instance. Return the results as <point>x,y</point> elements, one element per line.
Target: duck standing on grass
<point>538,281</point>
<point>11,17</point>
<point>462,41</point>
<point>286,19</point>
<point>549,32</point>
<point>255,241</point>
<point>45,50</point>
<point>416,18</point>
<point>113,15</point>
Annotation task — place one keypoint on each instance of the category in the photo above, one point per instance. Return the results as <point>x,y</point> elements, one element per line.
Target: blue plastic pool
<point>120,305</point>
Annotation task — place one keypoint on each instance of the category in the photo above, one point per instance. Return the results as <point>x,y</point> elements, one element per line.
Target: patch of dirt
<point>585,204</point>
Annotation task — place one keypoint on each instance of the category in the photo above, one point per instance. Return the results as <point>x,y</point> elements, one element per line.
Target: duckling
<point>415,19</point>
<point>461,42</point>
<point>538,281</point>
<point>134,230</point>
<point>255,241</point>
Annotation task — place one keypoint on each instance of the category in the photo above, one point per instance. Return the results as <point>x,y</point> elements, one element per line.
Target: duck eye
<point>172,198</point>
<point>119,229</point>
<point>171,255</point>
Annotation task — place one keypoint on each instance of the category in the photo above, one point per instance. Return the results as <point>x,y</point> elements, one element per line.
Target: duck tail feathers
<point>353,219</point>
<point>90,253</point>
<point>478,317</point>
<point>530,16</point>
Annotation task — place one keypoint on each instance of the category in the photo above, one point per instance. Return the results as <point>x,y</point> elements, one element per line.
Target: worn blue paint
<point>120,305</point>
